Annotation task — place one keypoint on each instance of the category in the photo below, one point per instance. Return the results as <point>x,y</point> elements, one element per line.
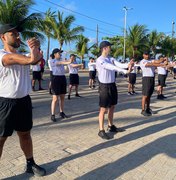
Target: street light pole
<point>173,32</point>
<point>124,41</point>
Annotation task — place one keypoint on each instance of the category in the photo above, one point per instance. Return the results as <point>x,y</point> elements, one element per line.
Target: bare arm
<point>14,58</point>
<point>153,64</point>
<point>63,62</point>
<point>77,65</point>
<point>130,66</point>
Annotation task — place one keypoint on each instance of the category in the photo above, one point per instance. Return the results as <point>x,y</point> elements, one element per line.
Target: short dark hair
<point>72,55</point>
<point>161,56</point>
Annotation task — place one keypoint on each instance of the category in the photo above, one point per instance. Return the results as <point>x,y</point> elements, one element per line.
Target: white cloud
<point>92,40</point>
<point>68,5</point>
<point>71,6</point>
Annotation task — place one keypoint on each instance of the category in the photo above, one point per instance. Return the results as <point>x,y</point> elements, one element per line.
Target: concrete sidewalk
<point>71,149</point>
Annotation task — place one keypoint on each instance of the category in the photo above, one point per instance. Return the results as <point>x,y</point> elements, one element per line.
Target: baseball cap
<point>105,44</point>
<point>56,50</point>
<point>72,55</point>
<point>9,27</point>
<point>146,52</point>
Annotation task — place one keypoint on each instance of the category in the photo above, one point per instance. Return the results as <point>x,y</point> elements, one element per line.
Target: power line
<point>101,32</point>
<point>95,19</point>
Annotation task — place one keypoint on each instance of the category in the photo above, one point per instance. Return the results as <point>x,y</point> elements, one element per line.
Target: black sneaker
<point>77,95</point>
<point>144,113</point>
<point>129,93</point>
<point>63,115</point>
<point>160,97</point>
<point>103,135</point>
<point>69,97</point>
<point>163,96</point>
<point>35,169</point>
<point>113,128</point>
<point>134,92</point>
<point>41,89</point>
<point>53,118</point>
<point>149,111</point>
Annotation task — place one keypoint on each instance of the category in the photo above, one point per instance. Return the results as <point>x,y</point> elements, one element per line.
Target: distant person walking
<point>36,76</point>
<point>92,72</point>
<point>51,73</point>
<point>42,65</point>
<point>73,75</point>
<point>132,69</point>
<point>58,84</point>
<point>106,67</point>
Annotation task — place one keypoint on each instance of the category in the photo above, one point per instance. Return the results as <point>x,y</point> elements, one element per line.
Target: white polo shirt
<point>92,66</point>
<point>73,70</point>
<point>14,79</point>
<point>147,71</point>
<point>162,70</point>
<point>49,64</point>
<point>58,70</point>
<point>36,67</point>
<point>105,75</point>
<point>106,67</point>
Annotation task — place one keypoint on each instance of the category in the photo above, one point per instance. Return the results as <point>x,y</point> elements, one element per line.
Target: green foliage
<point>81,46</point>
<point>16,12</point>
<point>63,31</point>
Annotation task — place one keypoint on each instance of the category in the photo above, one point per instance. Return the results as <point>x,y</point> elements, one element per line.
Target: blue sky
<point>155,14</point>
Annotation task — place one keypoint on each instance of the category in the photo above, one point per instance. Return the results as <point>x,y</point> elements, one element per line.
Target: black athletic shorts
<point>108,95</point>
<point>51,75</point>
<point>174,70</point>
<point>132,78</point>
<point>36,75</point>
<point>59,85</point>
<point>162,80</point>
<point>92,74</point>
<point>148,84</point>
<point>15,114</point>
<point>74,79</point>
<point>42,70</point>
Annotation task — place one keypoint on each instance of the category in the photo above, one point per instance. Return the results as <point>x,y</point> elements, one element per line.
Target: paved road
<point>70,148</point>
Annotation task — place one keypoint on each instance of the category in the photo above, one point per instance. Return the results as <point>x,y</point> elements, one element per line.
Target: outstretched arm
<point>113,67</point>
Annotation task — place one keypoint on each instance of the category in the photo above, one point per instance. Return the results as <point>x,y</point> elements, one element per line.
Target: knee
<point>24,135</point>
<point>55,99</point>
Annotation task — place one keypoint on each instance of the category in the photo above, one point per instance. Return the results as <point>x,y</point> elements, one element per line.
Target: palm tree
<point>95,50</point>
<point>136,40</point>
<point>46,26</point>
<point>168,46</point>
<point>117,47</point>
<point>16,12</point>
<point>63,31</point>
<point>82,47</point>
<point>154,39</point>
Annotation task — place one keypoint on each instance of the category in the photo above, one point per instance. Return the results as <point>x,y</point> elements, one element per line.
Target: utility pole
<point>173,32</point>
<point>124,41</point>
<point>97,36</point>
